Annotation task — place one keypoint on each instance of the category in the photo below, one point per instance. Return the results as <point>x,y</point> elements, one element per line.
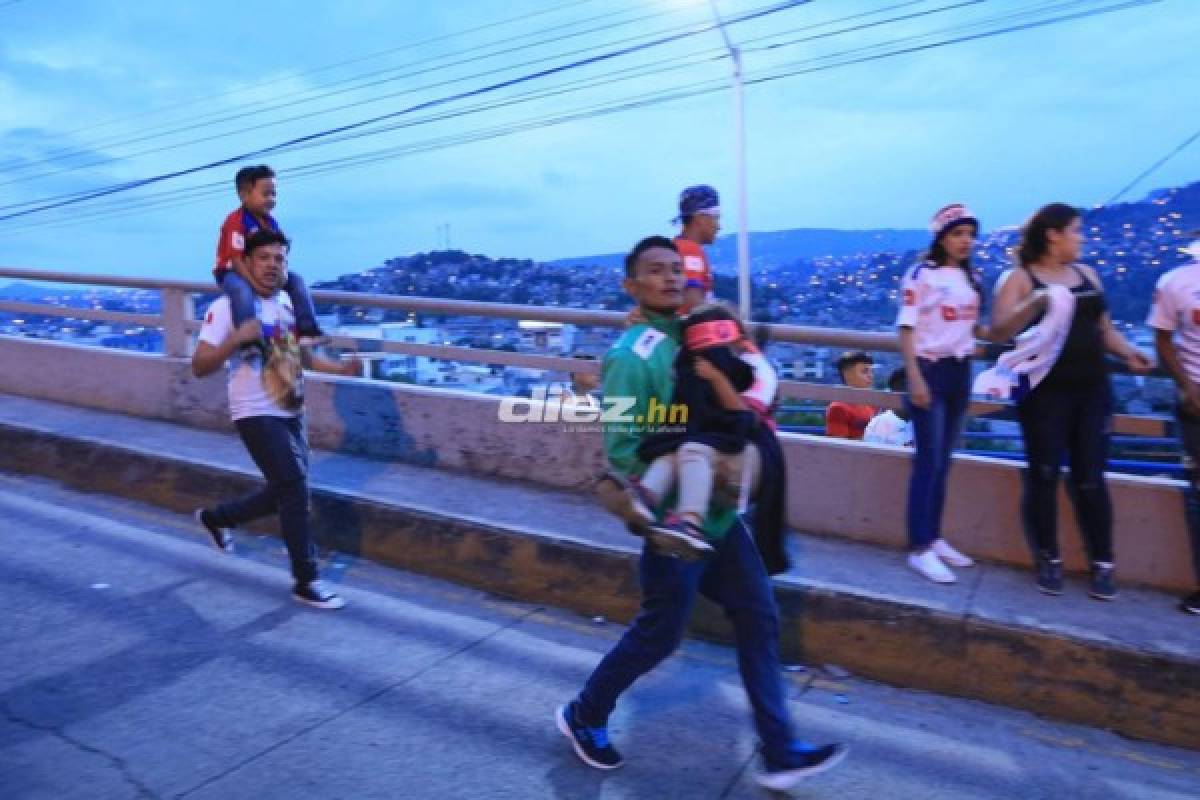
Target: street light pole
<point>743,235</point>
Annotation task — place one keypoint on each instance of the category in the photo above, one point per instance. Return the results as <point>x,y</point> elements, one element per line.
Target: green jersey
<point>641,367</point>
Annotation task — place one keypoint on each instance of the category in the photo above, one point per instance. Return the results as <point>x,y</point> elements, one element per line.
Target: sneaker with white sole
<point>950,556</point>
<point>679,538</point>
<point>800,765</point>
<point>591,744</point>
<point>317,595</point>
<point>930,566</point>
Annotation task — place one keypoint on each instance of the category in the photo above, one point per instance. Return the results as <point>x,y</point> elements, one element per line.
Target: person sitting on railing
<point>639,368</point>
<point>1070,408</point>
<point>266,401</point>
<point>849,420</point>
<point>256,190</point>
<point>1175,317</point>
<point>892,427</point>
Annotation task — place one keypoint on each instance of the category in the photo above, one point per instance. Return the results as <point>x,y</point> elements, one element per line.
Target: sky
<point>97,94</point>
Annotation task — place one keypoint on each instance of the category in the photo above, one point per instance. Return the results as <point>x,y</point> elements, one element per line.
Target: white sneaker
<point>951,556</point>
<point>929,565</point>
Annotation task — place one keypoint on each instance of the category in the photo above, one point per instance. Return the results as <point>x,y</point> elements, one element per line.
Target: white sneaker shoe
<point>951,556</point>
<point>929,565</point>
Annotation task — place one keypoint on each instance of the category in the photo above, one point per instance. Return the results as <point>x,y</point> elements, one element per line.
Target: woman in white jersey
<point>939,312</point>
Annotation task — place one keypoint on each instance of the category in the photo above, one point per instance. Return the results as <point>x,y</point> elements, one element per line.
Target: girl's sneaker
<point>930,566</point>
<point>951,556</point>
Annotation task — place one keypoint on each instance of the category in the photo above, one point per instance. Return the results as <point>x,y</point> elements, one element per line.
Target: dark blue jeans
<point>279,446</point>
<point>242,297</point>
<point>1077,420</point>
<point>1189,435</point>
<point>734,578</point>
<point>936,431</point>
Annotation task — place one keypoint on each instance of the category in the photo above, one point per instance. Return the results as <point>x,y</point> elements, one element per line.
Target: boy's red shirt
<point>232,240</point>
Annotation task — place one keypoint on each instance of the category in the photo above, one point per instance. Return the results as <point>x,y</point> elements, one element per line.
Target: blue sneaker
<point>800,764</point>
<point>591,744</point>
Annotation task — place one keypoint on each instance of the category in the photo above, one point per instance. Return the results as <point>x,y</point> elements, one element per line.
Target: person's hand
<point>249,331</point>
<point>705,370</point>
<point>918,393</point>
<point>352,367</point>
<point>1189,399</point>
<point>1138,362</point>
<point>634,317</point>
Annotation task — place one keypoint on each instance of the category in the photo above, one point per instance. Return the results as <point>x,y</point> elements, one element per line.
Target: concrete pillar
<point>178,309</point>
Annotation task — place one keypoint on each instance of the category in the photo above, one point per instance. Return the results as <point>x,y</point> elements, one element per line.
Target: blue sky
<point>1070,112</point>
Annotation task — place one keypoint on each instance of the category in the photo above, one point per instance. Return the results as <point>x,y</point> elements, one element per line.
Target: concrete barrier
<point>837,488</point>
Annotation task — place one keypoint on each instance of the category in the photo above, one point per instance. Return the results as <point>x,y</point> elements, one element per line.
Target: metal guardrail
<point>179,324</point>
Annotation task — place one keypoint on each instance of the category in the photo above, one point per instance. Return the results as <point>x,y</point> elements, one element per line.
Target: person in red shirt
<point>256,189</point>
<point>700,214</point>
<point>849,420</point>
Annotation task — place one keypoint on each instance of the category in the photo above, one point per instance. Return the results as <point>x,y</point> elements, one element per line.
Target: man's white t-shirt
<point>942,308</point>
<point>888,428</point>
<point>249,394</point>
<point>1176,309</point>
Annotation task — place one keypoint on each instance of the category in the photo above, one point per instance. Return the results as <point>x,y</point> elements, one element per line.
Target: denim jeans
<point>936,430</point>
<point>1189,435</point>
<point>734,578</point>
<point>279,446</point>
<point>1079,422</point>
<point>242,297</point>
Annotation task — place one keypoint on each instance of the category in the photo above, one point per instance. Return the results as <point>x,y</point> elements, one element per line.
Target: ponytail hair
<point>1034,242</point>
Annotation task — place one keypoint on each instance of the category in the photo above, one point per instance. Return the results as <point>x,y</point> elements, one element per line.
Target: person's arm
<point>350,368</point>
<point>1168,359</point>
<point>918,390</point>
<point>1114,341</point>
<point>625,375</point>
<point>208,358</point>
<point>727,396</point>
<point>1016,304</point>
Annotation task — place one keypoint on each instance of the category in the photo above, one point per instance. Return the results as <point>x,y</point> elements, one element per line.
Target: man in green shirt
<point>639,367</point>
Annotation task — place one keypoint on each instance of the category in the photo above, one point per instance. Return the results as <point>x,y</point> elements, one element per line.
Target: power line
<point>327,67</point>
<point>308,115</point>
<point>52,203</point>
<point>1186,143</point>
<point>679,93</point>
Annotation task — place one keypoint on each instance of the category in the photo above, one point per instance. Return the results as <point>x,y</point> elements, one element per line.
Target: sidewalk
<point>1133,665</point>
<point>138,662</point>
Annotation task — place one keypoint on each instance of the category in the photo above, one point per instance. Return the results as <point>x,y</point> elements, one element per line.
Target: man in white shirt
<point>1175,317</point>
<point>266,401</point>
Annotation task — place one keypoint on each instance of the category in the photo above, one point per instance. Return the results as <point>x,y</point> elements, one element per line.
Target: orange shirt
<point>846,420</point>
<point>696,270</point>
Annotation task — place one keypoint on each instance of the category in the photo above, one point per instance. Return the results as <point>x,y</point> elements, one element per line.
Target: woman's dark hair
<point>649,243</point>
<point>938,256</point>
<point>1034,243</point>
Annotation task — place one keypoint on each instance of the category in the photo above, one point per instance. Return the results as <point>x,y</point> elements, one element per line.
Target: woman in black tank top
<point>1070,409</point>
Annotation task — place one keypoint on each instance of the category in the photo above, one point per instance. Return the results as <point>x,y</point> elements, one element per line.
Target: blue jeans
<point>936,430</point>
<point>279,446</point>
<point>734,578</point>
<point>242,299</point>
<point>1078,421</point>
